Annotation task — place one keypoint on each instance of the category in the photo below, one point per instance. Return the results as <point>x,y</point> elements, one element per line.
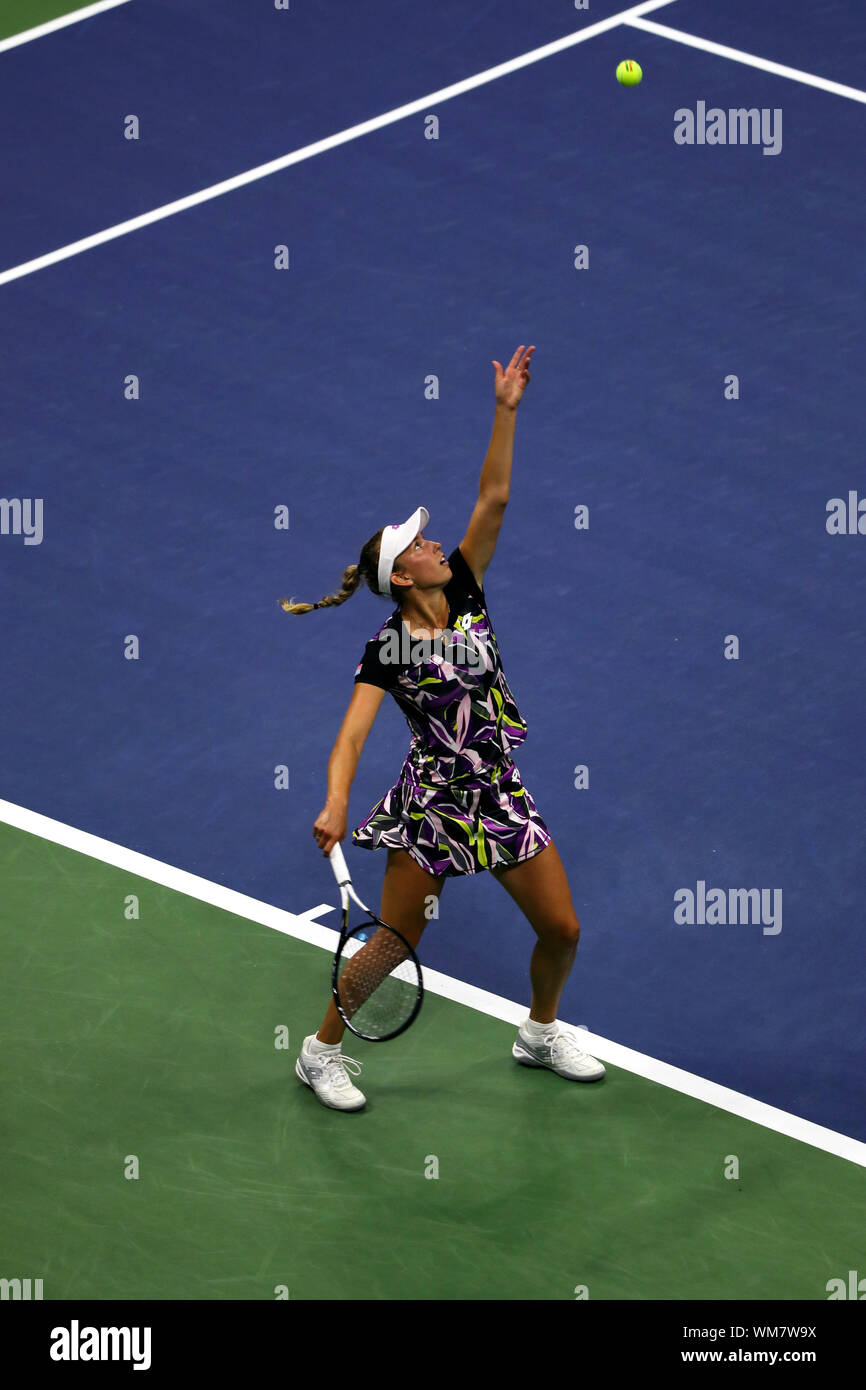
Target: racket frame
<point>347,891</point>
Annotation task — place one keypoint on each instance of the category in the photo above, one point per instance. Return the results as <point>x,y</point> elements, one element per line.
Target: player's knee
<point>414,933</point>
<point>565,931</point>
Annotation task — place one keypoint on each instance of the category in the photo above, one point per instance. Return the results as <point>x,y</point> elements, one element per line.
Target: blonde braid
<point>367,569</point>
<point>351,580</point>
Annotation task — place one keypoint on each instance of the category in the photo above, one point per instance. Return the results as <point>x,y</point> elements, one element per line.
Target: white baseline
<point>51,26</point>
<point>304,927</point>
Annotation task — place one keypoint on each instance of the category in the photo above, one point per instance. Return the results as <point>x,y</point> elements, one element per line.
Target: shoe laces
<point>563,1041</point>
<point>339,1064</point>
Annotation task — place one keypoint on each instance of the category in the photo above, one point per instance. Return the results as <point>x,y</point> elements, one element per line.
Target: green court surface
<point>155,1038</point>
<point>16,16</point>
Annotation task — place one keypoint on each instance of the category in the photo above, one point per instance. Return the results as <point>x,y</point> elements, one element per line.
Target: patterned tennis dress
<point>459,804</point>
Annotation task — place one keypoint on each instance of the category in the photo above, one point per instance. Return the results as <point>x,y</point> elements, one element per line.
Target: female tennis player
<point>459,805</point>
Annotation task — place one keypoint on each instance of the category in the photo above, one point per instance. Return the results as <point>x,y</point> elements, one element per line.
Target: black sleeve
<point>372,670</point>
<point>464,580</point>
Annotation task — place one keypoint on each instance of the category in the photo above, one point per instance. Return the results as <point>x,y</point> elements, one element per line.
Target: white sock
<point>532,1029</point>
<point>316,1046</point>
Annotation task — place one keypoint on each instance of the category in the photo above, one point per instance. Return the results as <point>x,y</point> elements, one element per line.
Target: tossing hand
<point>511,383</point>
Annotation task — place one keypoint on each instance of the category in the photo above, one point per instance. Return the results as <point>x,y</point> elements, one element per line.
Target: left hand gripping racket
<point>377,982</point>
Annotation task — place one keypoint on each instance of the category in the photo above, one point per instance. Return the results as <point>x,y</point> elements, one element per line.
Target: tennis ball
<point>629,73</point>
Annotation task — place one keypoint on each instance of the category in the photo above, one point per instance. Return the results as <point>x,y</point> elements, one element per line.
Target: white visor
<point>394,541</point>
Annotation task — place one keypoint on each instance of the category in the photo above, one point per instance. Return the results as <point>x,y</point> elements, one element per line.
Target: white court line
<point>330,142</point>
<point>304,927</point>
<point>300,925</point>
<point>737,56</point>
<point>41,30</point>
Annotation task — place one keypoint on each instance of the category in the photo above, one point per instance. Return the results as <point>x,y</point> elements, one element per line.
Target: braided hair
<point>367,569</point>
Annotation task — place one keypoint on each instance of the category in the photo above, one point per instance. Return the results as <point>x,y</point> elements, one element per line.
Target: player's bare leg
<point>540,888</point>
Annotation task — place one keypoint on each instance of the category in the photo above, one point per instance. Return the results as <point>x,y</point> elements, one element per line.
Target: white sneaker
<point>558,1050</point>
<point>325,1073</point>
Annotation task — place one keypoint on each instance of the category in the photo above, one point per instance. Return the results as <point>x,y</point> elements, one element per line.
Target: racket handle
<point>339,865</point>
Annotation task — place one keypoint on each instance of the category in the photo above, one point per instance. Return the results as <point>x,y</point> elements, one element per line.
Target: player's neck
<point>429,611</point>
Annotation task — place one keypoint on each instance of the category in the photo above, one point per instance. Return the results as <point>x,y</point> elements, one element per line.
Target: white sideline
<point>736,55</point>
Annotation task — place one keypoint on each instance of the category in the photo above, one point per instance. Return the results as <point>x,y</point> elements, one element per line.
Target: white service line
<point>342,137</point>
<point>737,56</point>
<point>51,25</point>
<point>304,927</point>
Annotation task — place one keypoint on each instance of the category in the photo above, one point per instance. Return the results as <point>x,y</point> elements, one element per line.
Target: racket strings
<point>378,983</point>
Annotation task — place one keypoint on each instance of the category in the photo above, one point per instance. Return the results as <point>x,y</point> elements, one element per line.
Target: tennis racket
<point>377,982</point>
